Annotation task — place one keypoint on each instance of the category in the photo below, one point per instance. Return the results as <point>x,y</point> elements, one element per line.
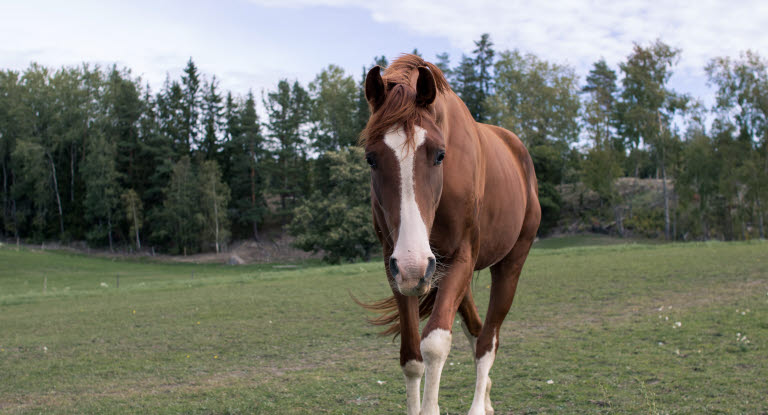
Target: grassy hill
<point>627,328</point>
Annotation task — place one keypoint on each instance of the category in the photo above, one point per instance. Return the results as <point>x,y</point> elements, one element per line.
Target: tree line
<point>94,154</point>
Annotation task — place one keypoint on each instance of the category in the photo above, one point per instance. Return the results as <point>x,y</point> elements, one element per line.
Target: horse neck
<point>451,114</point>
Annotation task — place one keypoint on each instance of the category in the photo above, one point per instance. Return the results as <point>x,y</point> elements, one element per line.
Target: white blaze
<point>412,246</point>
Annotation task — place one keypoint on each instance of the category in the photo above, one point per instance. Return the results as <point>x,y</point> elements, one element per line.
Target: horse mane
<point>399,107</point>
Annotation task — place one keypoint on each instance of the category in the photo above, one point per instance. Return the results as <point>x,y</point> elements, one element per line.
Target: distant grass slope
<point>601,322</point>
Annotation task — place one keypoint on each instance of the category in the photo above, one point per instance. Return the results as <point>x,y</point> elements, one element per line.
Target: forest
<point>94,154</point>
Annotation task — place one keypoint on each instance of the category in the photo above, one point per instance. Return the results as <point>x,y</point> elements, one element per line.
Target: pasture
<point>608,328</point>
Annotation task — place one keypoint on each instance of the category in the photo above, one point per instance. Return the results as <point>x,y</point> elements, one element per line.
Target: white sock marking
<point>481,404</point>
<point>413,370</point>
<point>434,351</point>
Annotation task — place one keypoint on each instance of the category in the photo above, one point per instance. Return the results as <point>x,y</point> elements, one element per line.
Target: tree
<point>214,198</point>
<point>539,102</point>
<point>444,63</point>
<point>212,113</point>
<point>134,213</point>
<point>465,84</point>
<point>102,189</point>
<point>484,63</point>
<point>288,109</point>
<point>181,212</point>
<point>246,161</point>
<point>123,109</point>
<point>742,88</point>
<point>338,221</point>
<point>333,112</point>
<point>647,105</point>
<point>190,107</point>
<point>601,167</point>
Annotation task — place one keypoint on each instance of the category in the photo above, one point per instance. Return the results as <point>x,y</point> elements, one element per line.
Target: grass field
<point>617,328</point>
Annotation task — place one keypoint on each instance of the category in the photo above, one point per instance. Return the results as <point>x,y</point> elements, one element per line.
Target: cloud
<point>579,32</point>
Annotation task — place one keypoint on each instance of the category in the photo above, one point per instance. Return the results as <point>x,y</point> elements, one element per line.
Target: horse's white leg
<point>481,404</point>
<point>434,351</point>
<point>413,370</point>
<point>478,368</point>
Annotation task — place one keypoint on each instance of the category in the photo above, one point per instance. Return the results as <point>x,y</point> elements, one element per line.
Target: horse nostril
<point>430,268</point>
<point>393,266</point>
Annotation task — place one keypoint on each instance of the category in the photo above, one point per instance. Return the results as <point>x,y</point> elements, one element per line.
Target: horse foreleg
<point>410,356</point>
<point>504,277</point>
<point>436,337</point>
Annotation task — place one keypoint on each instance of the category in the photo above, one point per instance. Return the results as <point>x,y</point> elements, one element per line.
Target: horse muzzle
<point>412,278</point>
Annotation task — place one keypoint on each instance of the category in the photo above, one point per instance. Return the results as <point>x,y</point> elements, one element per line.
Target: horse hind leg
<point>504,277</point>
<point>470,320</point>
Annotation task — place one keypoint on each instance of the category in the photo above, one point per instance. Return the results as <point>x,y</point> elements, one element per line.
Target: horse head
<point>405,151</point>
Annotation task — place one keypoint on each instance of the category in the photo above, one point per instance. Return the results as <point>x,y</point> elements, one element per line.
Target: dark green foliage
<point>337,219</point>
<point>288,109</point>
<point>212,114</point>
<point>102,191</point>
<point>244,160</point>
<point>190,108</point>
<point>334,110</point>
<point>75,141</point>
<point>465,83</point>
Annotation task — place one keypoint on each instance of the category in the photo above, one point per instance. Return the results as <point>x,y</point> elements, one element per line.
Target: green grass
<point>255,339</point>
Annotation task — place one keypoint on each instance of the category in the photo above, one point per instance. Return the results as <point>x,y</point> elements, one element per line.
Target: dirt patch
<point>280,249</point>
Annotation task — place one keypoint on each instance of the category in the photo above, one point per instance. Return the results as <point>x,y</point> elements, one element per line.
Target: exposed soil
<point>279,249</point>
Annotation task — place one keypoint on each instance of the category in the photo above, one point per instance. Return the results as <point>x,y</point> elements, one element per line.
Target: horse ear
<point>374,88</point>
<point>426,90</point>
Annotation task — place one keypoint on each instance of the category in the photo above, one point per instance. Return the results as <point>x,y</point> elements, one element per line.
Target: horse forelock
<point>399,109</point>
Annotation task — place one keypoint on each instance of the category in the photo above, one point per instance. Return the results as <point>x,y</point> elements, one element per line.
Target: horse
<point>449,196</point>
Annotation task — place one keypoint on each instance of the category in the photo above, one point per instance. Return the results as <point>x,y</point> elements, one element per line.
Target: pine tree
<point>602,165</point>
<point>212,114</point>
<point>465,84</point>
<point>288,110</point>
<point>444,63</point>
<point>190,107</point>
<point>484,62</point>
<point>246,161</point>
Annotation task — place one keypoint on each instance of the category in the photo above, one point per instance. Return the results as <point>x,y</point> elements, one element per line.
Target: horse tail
<point>390,315</point>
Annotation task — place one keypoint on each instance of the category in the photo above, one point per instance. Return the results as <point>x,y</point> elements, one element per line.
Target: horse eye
<point>439,158</point>
<point>371,160</point>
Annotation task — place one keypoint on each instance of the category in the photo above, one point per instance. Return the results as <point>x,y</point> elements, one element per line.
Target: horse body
<point>478,209</point>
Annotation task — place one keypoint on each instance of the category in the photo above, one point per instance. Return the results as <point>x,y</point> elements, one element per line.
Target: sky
<point>252,44</point>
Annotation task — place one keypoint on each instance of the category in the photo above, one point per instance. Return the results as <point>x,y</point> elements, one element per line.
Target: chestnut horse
<point>449,196</point>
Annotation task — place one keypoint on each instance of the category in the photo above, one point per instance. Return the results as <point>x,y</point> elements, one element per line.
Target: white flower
<point>549,382</point>
<point>380,382</point>
<point>104,285</point>
<point>677,324</point>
